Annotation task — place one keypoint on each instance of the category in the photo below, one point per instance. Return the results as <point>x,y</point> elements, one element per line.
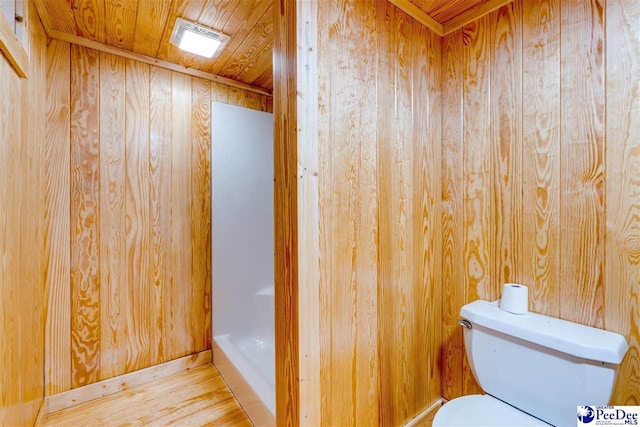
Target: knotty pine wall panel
<point>540,166</point>
<point>23,231</point>
<point>128,214</point>
<point>379,209</point>
<point>622,191</point>
<point>358,166</point>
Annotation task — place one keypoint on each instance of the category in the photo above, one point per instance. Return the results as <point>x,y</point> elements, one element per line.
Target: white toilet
<point>535,369</point>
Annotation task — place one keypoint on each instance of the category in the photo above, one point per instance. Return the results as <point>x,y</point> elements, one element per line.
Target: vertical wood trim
<point>201,214</point>
<point>622,267</point>
<point>141,337</point>
<point>308,215</point>
<point>453,286</point>
<point>582,162</point>
<point>58,231</point>
<point>4,280</point>
<point>85,183</point>
<point>160,130</point>
<point>113,273</point>
<point>541,154</point>
<point>12,209</point>
<point>286,26</point>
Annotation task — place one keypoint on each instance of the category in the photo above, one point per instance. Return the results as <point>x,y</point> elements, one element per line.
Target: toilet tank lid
<point>567,337</point>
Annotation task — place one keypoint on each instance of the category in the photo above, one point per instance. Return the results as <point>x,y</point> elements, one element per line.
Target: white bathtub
<point>246,358</point>
<point>242,257</point>
<point>247,365</point>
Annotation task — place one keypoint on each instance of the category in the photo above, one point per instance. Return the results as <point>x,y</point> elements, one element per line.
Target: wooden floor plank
<point>195,397</point>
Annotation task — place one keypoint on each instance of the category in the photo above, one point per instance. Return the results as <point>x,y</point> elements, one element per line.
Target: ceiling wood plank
<point>57,15</point>
<point>90,19</point>
<point>120,25</point>
<point>445,10</point>
<point>260,14</point>
<point>253,70</point>
<point>150,25</point>
<point>473,14</point>
<point>265,79</point>
<point>248,53</point>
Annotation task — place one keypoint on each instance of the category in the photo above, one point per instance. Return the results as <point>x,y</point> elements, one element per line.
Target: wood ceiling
<point>446,16</point>
<point>145,26</point>
<point>444,11</point>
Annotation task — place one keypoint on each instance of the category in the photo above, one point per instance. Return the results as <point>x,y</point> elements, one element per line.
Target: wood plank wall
<point>128,214</point>
<point>541,172</point>
<point>358,178</point>
<point>22,233</point>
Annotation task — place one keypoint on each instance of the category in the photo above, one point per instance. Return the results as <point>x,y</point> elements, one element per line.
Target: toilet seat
<point>482,410</point>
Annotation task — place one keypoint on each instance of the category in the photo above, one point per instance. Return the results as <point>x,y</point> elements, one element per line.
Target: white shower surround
<point>243,256</point>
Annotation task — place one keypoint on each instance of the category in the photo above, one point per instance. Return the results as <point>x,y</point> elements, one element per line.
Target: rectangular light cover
<point>196,39</point>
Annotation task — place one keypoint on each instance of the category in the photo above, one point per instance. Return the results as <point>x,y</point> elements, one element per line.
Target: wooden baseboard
<point>425,418</point>
<point>67,399</point>
<point>41,415</point>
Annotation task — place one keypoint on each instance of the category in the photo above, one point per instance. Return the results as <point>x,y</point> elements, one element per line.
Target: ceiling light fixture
<point>196,39</point>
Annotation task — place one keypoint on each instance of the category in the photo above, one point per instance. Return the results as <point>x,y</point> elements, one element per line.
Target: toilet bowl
<point>535,369</point>
<point>483,410</point>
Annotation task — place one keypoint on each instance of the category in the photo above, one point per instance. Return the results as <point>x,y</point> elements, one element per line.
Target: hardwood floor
<point>197,397</point>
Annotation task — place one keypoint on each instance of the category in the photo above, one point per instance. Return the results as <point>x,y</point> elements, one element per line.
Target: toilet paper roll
<point>515,298</point>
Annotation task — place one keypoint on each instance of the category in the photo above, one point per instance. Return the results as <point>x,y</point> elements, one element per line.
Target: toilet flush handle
<point>465,323</point>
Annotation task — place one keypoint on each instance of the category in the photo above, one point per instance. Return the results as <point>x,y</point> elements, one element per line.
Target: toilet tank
<point>541,365</point>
